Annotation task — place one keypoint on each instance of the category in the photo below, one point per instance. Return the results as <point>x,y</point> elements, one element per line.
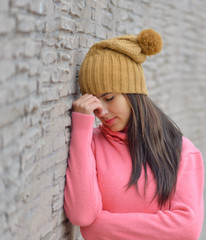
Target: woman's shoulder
<point>188,146</point>
<point>190,153</point>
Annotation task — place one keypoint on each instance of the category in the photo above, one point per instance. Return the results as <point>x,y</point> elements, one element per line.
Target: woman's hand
<point>87,104</point>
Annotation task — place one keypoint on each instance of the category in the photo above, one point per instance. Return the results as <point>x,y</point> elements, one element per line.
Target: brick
<point>47,227</point>
<point>90,3</point>
<point>3,222</point>
<point>98,17</point>
<point>63,90</point>
<point>32,135</point>
<point>7,235</point>
<point>20,3</point>
<point>60,171</point>
<point>2,187</point>
<point>76,8</point>
<point>124,15</point>
<point>86,27</point>
<point>3,95</point>
<point>67,24</point>
<point>86,14</point>
<point>53,236</point>
<point>64,56</point>
<point>7,25</point>
<point>108,21</point>
<point>38,219</point>
<point>13,221</point>
<point>80,57</point>
<point>49,57</point>
<point>38,7</point>
<point>62,183</point>
<point>50,94</point>
<point>24,89</point>
<point>3,205</point>
<point>76,233</point>
<point>85,42</point>
<point>11,174</point>
<point>48,162</point>
<point>55,75</point>
<point>61,216</point>
<point>60,123</point>
<point>10,114</point>
<point>61,230</point>
<point>32,48</point>
<point>40,25</point>
<point>34,68</point>
<point>45,77</point>
<point>47,145</point>
<point>103,3</point>
<point>100,32</point>
<point>58,110</point>
<point>4,6</point>
<point>46,113</point>
<point>17,47</point>
<point>9,133</point>
<point>125,5</point>
<point>66,6</point>
<point>22,66</point>
<point>114,2</point>
<point>60,75</point>
<point>25,24</point>
<point>59,142</point>
<point>67,134</point>
<point>70,42</point>
<point>52,41</point>
<point>58,204</point>
<point>52,24</point>
<point>32,105</point>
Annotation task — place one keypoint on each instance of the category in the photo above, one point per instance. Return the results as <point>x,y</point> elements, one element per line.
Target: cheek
<point>126,109</point>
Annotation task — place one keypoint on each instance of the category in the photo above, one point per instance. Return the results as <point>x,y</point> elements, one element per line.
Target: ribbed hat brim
<point>111,71</point>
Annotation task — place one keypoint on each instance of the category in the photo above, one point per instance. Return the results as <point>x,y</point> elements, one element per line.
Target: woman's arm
<point>183,221</point>
<point>82,196</point>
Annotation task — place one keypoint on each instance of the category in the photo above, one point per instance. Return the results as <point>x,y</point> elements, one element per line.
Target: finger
<point>85,100</point>
<point>87,105</point>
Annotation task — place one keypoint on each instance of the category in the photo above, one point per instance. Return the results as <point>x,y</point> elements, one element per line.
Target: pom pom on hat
<point>150,42</point>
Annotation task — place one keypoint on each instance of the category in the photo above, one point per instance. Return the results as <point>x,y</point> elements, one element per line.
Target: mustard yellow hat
<point>115,65</point>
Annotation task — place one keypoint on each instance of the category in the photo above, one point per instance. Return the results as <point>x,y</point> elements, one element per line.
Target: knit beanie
<point>115,65</point>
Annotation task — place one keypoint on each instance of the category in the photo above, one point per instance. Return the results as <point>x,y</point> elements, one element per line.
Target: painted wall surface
<point>42,44</point>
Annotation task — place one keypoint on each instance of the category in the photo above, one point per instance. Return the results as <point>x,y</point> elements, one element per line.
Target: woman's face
<point>116,111</point>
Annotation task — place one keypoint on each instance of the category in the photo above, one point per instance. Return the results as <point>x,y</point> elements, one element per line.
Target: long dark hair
<point>153,140</point>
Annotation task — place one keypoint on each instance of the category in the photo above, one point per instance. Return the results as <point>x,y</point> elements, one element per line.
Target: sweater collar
<point>119,137</point>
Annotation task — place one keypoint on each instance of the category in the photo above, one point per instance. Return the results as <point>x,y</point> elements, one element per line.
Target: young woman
<point>135,176</point>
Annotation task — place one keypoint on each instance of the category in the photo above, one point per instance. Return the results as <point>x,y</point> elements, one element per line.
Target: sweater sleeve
<point>183,221</point>
<point>82,198</point>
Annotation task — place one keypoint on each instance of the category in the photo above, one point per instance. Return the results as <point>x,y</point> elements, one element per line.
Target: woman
<point>135,176</point>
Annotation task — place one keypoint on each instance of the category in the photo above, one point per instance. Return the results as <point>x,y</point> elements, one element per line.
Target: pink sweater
<point>96,198</point>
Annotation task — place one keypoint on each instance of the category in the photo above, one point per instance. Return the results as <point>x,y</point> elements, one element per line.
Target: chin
<point>116,129</point>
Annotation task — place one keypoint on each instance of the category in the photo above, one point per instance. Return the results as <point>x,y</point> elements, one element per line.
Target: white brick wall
<point>42,44</point>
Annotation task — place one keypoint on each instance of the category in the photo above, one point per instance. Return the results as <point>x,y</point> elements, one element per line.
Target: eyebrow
<point>104,94</point>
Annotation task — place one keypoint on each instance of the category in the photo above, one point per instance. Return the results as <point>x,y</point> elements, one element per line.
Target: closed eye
<point>109,99</point>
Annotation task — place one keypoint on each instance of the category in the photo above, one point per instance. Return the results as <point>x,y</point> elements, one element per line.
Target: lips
<point>110,121</point>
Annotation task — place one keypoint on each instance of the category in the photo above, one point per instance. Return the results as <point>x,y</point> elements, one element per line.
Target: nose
<point>104,110</point>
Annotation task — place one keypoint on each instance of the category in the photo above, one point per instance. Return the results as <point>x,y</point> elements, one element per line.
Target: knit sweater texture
<point>97,198</point>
